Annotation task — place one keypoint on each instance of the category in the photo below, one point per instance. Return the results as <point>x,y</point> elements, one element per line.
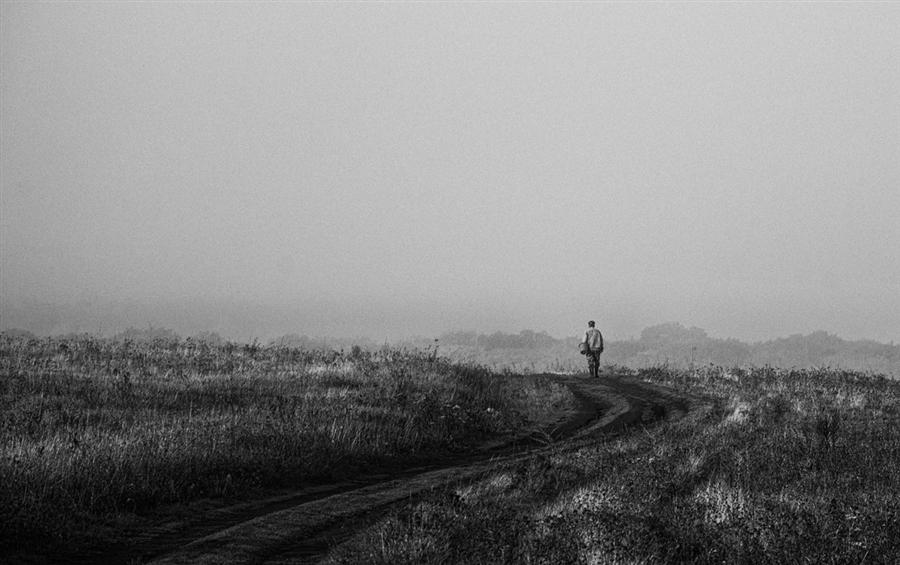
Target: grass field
<point>95,433</point>
<point>783,466</point>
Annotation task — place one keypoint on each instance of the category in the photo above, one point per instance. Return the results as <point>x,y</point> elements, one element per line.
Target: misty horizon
<point>402,169</point>
<point>248,322</point>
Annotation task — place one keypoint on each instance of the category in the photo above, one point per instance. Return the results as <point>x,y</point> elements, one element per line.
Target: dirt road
<point>300,526</point>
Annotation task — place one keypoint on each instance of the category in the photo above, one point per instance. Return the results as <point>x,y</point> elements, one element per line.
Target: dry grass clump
<point>789,467</point>
<point>94,431</point>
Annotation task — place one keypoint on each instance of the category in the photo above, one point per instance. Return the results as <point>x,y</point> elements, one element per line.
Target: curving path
<point>301,526</point>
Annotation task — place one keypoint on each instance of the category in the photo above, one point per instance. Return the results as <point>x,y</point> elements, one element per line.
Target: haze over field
<point>393,169</point>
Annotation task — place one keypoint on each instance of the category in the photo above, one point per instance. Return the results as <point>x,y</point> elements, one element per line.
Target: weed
<point>91,430</point>
<point>790,466</point>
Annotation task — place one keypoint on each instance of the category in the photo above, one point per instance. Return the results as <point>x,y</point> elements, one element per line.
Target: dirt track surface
<point>301,526</point>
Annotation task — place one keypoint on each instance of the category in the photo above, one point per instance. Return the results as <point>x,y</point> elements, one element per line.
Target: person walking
<point>594,340</point>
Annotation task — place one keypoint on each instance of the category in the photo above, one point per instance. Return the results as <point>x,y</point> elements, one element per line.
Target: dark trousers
<point>593,358</point>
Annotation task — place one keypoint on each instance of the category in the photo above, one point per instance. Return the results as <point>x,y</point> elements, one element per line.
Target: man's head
<point>591,324</point>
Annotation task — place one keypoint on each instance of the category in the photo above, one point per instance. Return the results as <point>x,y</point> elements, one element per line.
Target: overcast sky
<point>405,168</point>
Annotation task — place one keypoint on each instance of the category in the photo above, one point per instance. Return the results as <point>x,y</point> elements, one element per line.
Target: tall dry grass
<point>93,430</point>
<point>787,466</point>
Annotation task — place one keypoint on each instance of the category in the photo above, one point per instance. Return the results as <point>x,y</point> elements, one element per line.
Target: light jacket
<point>594,339</point>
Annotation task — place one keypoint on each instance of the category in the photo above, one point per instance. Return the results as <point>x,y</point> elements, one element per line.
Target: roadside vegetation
<point>782,466</point>
<point>95,433</point>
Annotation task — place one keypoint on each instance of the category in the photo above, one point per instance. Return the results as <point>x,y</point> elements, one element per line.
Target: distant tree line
<point>526,339</point>
<point>528,351</point>
<point>679,346</point>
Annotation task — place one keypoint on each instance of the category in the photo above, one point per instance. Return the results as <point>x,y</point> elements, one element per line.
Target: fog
<point>395,169</point>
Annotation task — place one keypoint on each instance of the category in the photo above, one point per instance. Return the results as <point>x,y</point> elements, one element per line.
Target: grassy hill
<point>783,466</point>
<point>96,433</point>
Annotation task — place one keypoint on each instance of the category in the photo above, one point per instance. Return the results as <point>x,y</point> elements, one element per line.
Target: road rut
<point>301,526</point>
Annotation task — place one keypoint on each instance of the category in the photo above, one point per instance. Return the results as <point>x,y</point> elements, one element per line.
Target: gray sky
<point>400,168</point>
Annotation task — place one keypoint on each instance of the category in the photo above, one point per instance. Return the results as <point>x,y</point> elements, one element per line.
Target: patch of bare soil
<point>301,525</point>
